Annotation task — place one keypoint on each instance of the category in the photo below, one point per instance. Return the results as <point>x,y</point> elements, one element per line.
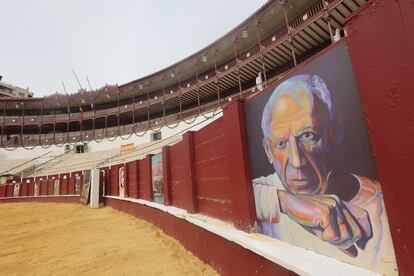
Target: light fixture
<point>188,85</point>
<point>172,75</point>
<point>126,106</point>
<point>87,136</point>
<point>73,138</point>
<point>305,17</point>
<point>172,91</point>
<point>156,97</point>
<point>13,120</point>
<point>226,67</point>
<point>273,38</point>
<point>230,99</point>
<point>248,54</point>
<point>140,102</point>
<point>156,122</point>
<point>204,58</point>
<point>206,77</point>
<point>31,120</point>
<point>245,34</point>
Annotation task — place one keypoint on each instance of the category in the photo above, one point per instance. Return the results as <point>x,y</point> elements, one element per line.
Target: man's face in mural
<point>298,141</point>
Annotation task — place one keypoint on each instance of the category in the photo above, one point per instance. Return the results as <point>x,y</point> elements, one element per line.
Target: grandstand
<point>208,181</point>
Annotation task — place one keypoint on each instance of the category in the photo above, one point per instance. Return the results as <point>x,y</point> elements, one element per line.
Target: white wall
<point>21,153</point>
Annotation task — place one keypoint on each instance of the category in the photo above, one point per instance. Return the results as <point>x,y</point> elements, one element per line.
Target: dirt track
<point>62,239</point>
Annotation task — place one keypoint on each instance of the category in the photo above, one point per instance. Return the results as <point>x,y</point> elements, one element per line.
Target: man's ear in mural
<point>267,151</point>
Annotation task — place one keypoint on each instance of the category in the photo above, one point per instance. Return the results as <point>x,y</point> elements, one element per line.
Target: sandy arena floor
<point>62,239</point>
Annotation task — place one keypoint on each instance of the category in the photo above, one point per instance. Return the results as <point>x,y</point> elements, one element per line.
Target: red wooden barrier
<point>43,185</point>
<point>114,188</point>
<point>145,185</point>
<point>166,175</point>
<point>244,213</point>
<point>23,188</point>
<point>178,170</point>
<point>384,74</point>
<point>71,186</point>
<point>2,190</point>
<point>9,189</point>
<point>214,190</point>
<point>132,179</point>
<point>64,183</point>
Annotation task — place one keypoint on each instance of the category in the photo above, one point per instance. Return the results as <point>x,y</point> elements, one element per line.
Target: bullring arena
<point>282,148</point>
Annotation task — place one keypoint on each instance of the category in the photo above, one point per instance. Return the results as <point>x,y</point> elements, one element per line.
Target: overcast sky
<point>41,41</point>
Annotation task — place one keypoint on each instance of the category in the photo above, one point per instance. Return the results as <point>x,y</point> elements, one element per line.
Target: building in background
<point>9,90</point>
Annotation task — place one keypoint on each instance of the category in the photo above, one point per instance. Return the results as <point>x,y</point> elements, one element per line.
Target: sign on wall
<point>16,190</point>
<point>157,178</point>
<point>314,176</point>
<point>84,197</point>
<point>56,187</point>
<point>77,184</point>
<point>121,181</point>
<point>36,189</point>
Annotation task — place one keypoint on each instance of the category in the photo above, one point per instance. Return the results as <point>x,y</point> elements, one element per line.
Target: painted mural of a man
<point>306,202</point>
<point>121,174</point>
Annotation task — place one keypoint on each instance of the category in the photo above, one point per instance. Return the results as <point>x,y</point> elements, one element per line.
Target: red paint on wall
<point>132,169</point>
<point>23,188</point>
<point>211,171</point>
<point>71,184</point>
<point>43,186</point>
<point>226,257</point>
<point>55,199</point>
<point>114,188</point>
<point>9,189</point>
<point>183,194</point>
<point>30,186</point>
<point>2,190</point>
<point>145,178</point>
<point>381,45</point>
<point>166,175</point>
<point>64,184</point>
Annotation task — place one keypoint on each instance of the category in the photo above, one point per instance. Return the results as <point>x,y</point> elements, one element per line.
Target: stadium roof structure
<point>277,37</point>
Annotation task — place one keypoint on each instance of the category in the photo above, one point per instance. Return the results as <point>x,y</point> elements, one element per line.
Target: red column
<point>166,175</point>
<point>148,166</point>
<point>189,175</point>
<point>244,214</point>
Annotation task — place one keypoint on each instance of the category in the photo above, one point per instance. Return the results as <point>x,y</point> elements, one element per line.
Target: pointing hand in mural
<point>327,217</point>
<point>299,139</point>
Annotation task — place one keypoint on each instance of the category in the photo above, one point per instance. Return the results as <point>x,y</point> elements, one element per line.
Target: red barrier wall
<point>64,184</point>
<point>23,188</point>
<point>381,43</point>
<point>132,178</point>
<point>30,186</point>
<point>182,176</point>
<point>43,185</point>
<point>51,184</point>
<point>3,190</point>
<point>144,168</point>
<point>114,188</point>
<point>71,184</point>
<point>107,180</point>
<point>9,189</point>
<point>211,171</point>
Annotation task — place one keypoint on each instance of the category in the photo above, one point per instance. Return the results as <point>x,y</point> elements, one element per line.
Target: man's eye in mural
<point>309,136</point>
<point>281,144</point>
